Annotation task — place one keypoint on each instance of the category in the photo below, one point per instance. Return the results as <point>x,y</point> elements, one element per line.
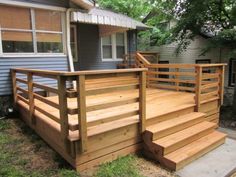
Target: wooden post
<point>177,79</point>
<point>13,75</point>
<point>142,101</point>
<point>82,113</point>
<point>198,87</point>
<point>63,111</point>
<point>31,98</point>
<point>221,72</point>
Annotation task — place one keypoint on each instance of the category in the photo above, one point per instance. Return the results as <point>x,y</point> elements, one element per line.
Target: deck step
<point>194,150</point>
<point>179,139</point>
<point>168,127</point>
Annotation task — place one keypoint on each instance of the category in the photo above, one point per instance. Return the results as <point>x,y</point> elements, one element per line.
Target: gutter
<point>68,47</point>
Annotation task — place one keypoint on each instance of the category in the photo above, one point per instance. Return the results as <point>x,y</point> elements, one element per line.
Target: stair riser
<point>173,166</point>
<point>171,130</point>
<point>169,116</point>
<point>186,141</point>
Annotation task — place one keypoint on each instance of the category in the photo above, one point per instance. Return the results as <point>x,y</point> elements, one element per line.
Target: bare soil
<point>36,156</point>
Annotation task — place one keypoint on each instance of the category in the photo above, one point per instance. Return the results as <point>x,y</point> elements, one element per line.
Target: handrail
<point>88,83</point>
<point>206,81</point>
<point>64,73</point>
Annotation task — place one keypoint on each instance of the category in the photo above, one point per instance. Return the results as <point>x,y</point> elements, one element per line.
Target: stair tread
<point>195,147</point>
<point>175,121</point>
<point>172,139</point>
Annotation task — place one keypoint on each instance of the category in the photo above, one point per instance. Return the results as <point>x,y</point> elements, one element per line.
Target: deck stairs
<point>180,140</point>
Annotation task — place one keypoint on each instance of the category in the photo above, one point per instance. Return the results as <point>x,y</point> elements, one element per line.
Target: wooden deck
<point>113,113</point>
<point>158,102</point>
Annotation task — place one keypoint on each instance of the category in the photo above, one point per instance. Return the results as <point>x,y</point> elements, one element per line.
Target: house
<point>193,55</point>
<point>63,35</point>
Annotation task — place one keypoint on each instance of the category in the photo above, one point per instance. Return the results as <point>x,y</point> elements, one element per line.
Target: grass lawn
<point>25,154</point>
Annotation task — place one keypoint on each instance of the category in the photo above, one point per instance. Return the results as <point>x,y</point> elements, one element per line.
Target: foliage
<point>213,19</point>
<point>121,167</point>
<point>153,13</point>
<point>19,147</point>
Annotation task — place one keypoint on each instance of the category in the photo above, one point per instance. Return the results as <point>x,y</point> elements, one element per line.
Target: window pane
<point>72,34</point>
<point>106,40</point>
<point>107,51</point>
<point>120,51</point>
<point>233,78</point>
<point>48,20</point>
<point>234,66</point>
<point>17,42</point>
<point>120,39</point>
<point>15,17</point>
<point>49,43</point>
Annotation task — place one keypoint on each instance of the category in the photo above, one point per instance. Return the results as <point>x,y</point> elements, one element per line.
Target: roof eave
<point>86,4</point>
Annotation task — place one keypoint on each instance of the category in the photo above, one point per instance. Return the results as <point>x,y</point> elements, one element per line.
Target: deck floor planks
<point>159,102</point>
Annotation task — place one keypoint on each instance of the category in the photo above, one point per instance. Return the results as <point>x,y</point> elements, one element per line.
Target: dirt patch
<point>227,117</point>
<point>149,168</point>
<point>31,156</point>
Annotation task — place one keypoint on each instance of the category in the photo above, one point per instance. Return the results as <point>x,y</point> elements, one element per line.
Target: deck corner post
<point>81,99</point>
<point>198,87</point>
<point>142,100</point>
<point>62,96</point>
<point>221,71</point>
<point>31,97</point>
<point>14,85</point>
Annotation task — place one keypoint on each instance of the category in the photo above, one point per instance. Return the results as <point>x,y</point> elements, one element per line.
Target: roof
<point>107,17</point>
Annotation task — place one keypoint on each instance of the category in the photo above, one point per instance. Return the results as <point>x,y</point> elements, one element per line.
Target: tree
<point>150,12</point>
<point>212,19</point>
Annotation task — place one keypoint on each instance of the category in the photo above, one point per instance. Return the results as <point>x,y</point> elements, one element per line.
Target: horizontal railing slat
<point>51,116</point>
<point>47,101</point>
<point>111,89</point>
<point>23,99</point>
<point>113,118</point>
<point>46,88</point>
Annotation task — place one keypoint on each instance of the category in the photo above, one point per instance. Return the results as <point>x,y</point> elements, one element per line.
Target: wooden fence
<point>88,83</point>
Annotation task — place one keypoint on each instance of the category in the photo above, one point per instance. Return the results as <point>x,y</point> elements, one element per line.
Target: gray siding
<point>89,48</point>
<point>43,63</point>
<point>60,3</point>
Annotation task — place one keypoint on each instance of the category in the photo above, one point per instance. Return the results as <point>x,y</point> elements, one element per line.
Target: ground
<point>227,118</point>
<point>24,154</point>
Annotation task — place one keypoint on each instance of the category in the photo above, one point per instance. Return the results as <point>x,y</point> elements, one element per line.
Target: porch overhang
<point>107,18</point>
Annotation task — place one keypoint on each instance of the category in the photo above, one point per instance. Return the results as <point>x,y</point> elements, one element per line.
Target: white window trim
<point>35,52</point>
<point>114,52</point>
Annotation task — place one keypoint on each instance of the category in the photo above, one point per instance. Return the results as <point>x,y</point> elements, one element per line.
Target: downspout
<point>70,57</point>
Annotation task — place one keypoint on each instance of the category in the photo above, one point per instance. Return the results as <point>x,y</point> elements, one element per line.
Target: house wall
<point>89,48</point>
<point>43,63</point>
<point>193,53</point>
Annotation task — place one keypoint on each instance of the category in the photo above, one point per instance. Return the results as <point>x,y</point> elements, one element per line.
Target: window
<point>163,69</point>
<point>16,30</point>
<point>25,30</point>
<point>203,61</point>
<point>48,31</point>
<point>232,72</point>
<point>114,47</point>
<point>73,42</point>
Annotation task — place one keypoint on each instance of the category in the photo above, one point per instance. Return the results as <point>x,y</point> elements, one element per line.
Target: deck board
<point>159,102</point>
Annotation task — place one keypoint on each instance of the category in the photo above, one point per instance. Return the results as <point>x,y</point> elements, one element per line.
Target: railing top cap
<point>64,73</point>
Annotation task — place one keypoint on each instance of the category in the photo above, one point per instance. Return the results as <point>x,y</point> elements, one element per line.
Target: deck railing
<point>206,81</point>
<point>26,88</point>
